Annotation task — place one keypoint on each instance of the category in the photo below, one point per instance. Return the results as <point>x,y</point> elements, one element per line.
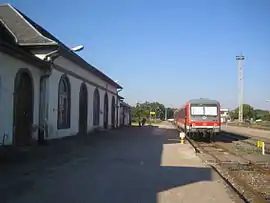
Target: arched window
<point>63,121</point>
<point>96,108</point>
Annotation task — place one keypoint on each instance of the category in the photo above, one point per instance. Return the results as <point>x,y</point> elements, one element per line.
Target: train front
<point>205,118</point>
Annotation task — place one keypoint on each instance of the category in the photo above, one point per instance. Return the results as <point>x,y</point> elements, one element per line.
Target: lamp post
<point>55,52</point>
<point>240,86</point>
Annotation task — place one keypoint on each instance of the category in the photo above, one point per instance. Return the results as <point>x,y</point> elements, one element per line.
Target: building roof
<point>224,110</point>
<point>27,33</point>
<point>124,104</point>
<point>24,32</point>
<point>10,47</point>
<point>120,97</point>
<point>22,55</point>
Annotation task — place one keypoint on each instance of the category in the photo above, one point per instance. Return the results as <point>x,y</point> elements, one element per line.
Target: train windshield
<point>203,110</point>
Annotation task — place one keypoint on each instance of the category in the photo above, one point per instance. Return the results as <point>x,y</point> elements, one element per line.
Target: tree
<point>249,112</point>
<point>170,112</point>
<point>262,114</point>
<point>143,110</point>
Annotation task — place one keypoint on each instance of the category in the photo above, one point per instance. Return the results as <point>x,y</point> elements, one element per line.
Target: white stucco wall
<point>126,118</point>
<point>9,67</point>
<point>124,112</point>
<point>70,66</point>
<point>75,84</point>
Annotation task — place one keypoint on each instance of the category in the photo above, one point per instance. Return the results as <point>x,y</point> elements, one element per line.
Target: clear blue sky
<point>167,51</point>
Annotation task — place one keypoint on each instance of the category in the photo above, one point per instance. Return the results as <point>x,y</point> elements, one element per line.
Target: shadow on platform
<point>122,165</point>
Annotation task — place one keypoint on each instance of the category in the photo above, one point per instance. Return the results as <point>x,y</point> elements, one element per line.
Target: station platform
<point>197,181</point>
<point>130,165</point>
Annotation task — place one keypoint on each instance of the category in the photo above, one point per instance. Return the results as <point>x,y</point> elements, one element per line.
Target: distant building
<point>125,114</point>
<point>224,114</point>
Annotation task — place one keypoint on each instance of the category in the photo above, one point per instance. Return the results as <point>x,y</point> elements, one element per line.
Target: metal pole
<point>240,67</point>
<point>165,113</point>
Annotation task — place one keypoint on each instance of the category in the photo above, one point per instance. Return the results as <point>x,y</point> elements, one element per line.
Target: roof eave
<point>38,44</point>
<point>22,55</point>
<point>120,97</point>
<point>80,61</point>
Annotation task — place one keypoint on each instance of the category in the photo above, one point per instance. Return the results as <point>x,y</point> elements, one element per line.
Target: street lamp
<point>77,48</point>
<point>73,49</point>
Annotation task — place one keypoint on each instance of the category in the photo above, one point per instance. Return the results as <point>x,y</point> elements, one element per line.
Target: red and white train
<point>199,118</point>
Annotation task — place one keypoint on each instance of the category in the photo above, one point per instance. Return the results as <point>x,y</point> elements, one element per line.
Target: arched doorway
<point>23,108</point>
<point>96,108</point>
<point>83,109</point>
<point>106,109</point>
<point>113,113</point>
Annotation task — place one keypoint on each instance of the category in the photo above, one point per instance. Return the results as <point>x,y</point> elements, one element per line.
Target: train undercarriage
<point>202,134</point>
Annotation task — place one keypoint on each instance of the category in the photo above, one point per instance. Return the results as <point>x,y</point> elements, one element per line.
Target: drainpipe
<point>43,107</point>
<point>44,100</point>
<point>118,107</point>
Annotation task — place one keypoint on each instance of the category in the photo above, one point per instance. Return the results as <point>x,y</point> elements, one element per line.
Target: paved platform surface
<point>133,165</point>
<point>265,134</point>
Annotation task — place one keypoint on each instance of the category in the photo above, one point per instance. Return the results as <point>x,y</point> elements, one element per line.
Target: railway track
<point>241,170</point>
<point>250,141</point>
<point>249,179</point>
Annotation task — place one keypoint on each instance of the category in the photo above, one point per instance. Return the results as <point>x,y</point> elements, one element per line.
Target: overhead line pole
<point>240,67</point>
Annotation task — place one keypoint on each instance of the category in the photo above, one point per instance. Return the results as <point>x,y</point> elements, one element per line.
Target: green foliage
<point>142,110</point>
<point>249,112</point>
<point>170,112</point>
<point>261,114</point>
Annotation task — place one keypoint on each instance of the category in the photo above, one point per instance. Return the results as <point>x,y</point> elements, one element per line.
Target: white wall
<point>70,66</point>
<point>8,69</point>
<point>75,84</point>
<point>126,115</point>
<point>10,66</point>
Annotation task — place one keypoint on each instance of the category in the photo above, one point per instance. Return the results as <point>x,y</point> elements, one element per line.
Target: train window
<point>197,110</point>
<point>210,110</point>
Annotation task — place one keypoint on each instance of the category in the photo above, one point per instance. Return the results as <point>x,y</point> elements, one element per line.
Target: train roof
<point>198,101</point>
<point>203,101</point>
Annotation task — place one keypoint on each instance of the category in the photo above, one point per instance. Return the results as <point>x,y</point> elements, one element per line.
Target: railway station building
<point>224,115</point>
<point>47,91</point>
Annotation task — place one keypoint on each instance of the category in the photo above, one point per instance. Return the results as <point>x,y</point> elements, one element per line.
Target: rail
<point>233,169</point>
